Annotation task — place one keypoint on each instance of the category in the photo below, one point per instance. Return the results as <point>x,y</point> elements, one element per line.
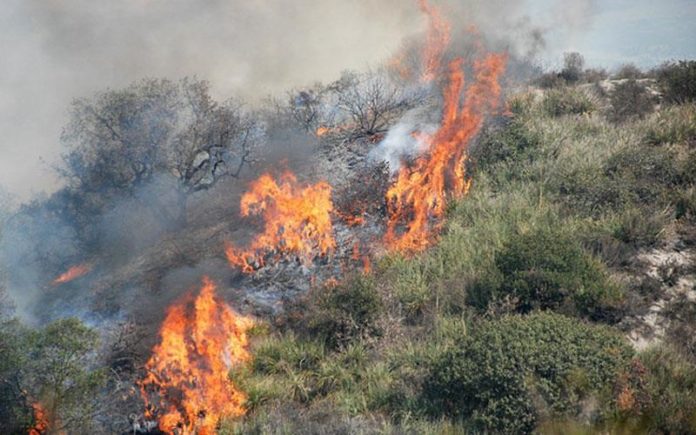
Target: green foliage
<point>346,312</point>
<point>630,100</point>
<point>509,372</point>
<point>567,101</point>
<point>642,227</point>
<point>54,366</point>
<point>15,411</point>
<point>673,125</point>
<point>510,143</point>
<point>678,81</point>
<point>547,269</point>
<point>658,394</point>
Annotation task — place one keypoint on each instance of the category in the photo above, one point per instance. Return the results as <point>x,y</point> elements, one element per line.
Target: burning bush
<point>508,373</point>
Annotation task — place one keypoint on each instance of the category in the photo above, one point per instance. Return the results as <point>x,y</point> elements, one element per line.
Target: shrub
<point>629,71</point>
<point>510,371</point>
<point>629,100</point>
<point>678,81</point>
<point>546,269</point>
<point>674,125</point>
<point>573,64</point>
<point>658,394</point>
<point>346,312</point>
<point>511,142</point>
<point>642,227</point>
<point>567,101</point>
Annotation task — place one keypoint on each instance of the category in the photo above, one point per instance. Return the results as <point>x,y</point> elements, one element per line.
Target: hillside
<point>453,242</point>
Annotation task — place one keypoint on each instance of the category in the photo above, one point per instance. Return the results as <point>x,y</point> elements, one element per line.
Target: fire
<point>41,424</point>
<point>437,40</point>
<point>322,131</point>
<point>200,340</point>
<point>297,220</point>
<point>420,191</point>
<point>72,273</point>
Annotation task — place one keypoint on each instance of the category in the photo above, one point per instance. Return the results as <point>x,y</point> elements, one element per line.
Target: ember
<point>41,425</point>
<point>72,273</point>
<point>200,340</point>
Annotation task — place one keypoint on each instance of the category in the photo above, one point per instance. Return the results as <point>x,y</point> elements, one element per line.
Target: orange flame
<point>41,424</point>
<point>72,273</point>
<point>201,339</point>
<point>419,193</point>
<point>437,40</point>
<point>297,220</point>
<point>321,131</point>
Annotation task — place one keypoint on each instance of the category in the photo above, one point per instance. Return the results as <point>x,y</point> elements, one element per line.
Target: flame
<point>72,273</point>
<point>437,40</point>
<point>321,131</point>
<point>41,424</point>
<point>297,220</point>
<point>200,340</point>
<point>419,193</point>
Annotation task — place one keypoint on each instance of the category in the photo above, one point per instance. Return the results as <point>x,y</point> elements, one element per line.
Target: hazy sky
<point>54,50</point>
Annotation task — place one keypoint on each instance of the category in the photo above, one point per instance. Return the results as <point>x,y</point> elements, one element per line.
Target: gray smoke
<point>55,51</point>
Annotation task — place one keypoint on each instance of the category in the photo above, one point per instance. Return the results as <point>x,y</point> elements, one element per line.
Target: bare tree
<point>121,139</point>
<point>370,101</point>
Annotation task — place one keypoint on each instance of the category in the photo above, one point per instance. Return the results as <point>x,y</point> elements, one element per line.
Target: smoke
<point>58,50</point>
<point>401,142</point>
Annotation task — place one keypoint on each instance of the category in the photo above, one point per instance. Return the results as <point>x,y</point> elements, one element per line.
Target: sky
<point>52,51</point>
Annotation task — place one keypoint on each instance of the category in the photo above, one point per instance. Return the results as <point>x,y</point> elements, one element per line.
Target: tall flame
<point>200,340</point>
<point>436,43</point>
<point>72,273</point>
<point>297,220</point>
<point>418,195</point>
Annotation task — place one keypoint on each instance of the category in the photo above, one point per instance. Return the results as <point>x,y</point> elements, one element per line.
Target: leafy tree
<point>510,372</point>
<point>15,411</point>
<point>61,373</point>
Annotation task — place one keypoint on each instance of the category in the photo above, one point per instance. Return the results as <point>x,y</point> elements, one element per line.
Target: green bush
<point>673,125</point>
<point>511,142</point>
<point>509,372</point>
<point>346,312</point>
<point>658,394</point>
<point>642,227</point>
<point>546,269</point>
<point>629,100</point>
<point>678,81</point>
<point>567,101</point>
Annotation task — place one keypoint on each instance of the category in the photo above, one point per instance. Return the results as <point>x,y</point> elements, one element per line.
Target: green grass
<point>567,194</point>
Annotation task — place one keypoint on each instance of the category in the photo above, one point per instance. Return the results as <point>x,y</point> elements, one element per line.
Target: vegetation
<point>510,373</point>
<point>514,321</point>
